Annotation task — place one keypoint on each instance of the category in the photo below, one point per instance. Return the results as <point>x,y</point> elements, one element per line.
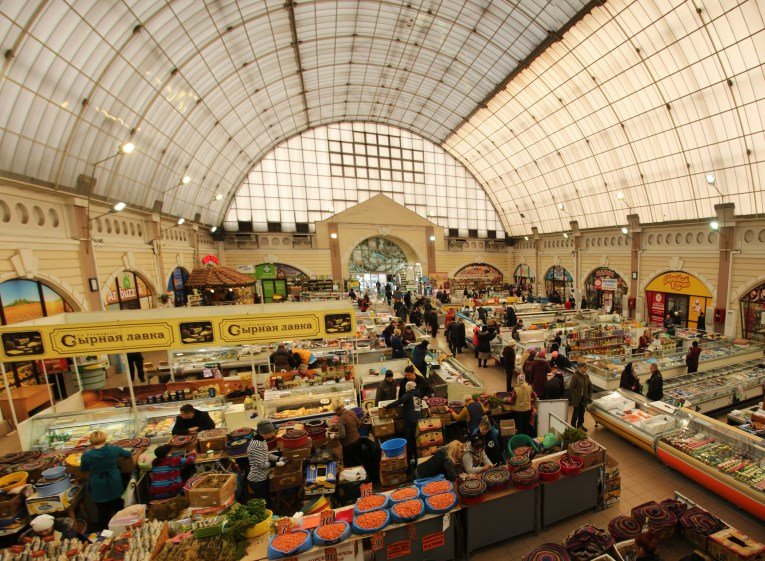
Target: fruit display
<point>370,503</point>
<point>720,455</point>
<point>408,510</point>
<point>436,487</point>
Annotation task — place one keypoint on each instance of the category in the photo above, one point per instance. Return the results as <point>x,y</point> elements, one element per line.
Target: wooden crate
<point>202,495</point>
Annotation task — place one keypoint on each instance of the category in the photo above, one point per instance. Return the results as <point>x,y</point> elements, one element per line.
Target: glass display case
<point>724,459</point>
<point>306,402</point>
<point>160,417</point>
<point>207,363</point>
<point>68,430</point>
<point>716,388</point>
<point>633,416</point>
<point>605,372</point>
<point>451,380</point>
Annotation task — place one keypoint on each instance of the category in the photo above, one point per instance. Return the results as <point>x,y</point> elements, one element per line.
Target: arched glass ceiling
<point>205,89</point>
<point>643,98</point>
<point>327,169</point>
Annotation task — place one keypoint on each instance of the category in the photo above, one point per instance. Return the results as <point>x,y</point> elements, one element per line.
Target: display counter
<point>722,458</point>
<point>452,380</point>
<point>69,430</point>
<point>306,402</point>
<point>605,372</point>
<point>160,417</point>
<point>633,417</point>
<point>198,363</point>
<point>369,377</point>
<point>717,388</point>
<point>25,400</point>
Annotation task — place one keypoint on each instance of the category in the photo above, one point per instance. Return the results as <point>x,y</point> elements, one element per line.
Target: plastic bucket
<point>393,447</point>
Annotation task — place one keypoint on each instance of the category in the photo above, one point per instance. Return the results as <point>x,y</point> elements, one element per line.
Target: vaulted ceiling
<point>640,97</point>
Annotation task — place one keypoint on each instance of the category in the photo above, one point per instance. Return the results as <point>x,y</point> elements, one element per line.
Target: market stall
<point>678,291</point>
<point>220,285</point>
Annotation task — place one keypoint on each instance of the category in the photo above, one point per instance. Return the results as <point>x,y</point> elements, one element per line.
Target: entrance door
<point>678,302</point>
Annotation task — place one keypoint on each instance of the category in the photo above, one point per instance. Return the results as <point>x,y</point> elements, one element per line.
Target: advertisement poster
<point>656,304</point>
<point>608,284</point>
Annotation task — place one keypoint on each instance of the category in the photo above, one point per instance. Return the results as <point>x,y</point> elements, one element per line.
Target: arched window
<point>128,291</point>
<point>24,300</point>
<point>558,283</point>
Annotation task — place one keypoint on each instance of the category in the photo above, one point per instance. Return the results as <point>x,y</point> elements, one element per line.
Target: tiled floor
<point>643,479</point>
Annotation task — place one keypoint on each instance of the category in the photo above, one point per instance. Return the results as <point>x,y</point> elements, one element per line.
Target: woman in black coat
<point>629,380</point>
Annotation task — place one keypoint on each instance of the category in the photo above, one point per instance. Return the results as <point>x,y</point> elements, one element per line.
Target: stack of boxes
<point>387,422</point>
<point>393,470</point>
<point>613,488</point>
<point>430,435</point>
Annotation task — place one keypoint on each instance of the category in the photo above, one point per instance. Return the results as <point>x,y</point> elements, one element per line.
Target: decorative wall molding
<point>604,262</point>
<point>745,287</point>
<point>25,263</point>
<point>129,260</point>
<point>676,263</point>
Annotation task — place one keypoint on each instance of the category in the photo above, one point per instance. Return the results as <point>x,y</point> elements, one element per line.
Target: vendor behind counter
<point>192,421</point>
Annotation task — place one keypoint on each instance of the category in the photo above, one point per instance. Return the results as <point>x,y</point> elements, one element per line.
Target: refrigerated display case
<point>633,417</point>
<point>68,430</point>
<point>717,388</point>
<point>160,417</point>
<point>451,380</point>
<point>605,372</point>
<point>723,459</point>
<point>306,402</point>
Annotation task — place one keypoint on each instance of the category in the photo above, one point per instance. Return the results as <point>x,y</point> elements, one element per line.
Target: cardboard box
<point>202,495</point>
<point>321,479</point>
<point>296,453</point>
<point>287,476</point>
<point>428,425</point>
<point>732,545</point>
<point>701,541</point>
<point>426,452</point>
<point>129,465</point>
<point>397,463</point>
<point>56,503</point>
<point>594,459</point>
<point>430,439</point>
<point>383,427</point>
<point>507,427</point>
<point>395,413</point>
<point>393,479</point>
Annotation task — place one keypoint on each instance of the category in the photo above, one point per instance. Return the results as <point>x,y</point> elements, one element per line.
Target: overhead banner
<point>111,337</point>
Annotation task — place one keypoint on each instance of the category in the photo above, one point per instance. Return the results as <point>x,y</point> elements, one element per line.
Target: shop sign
<point>607,284</point>
<point>656,303</point>
<point>127,290</point>
<point>399,549</point>
<point>102,339</point>
<point>246,269</point>
<point>679,282</point>
<point>265,271</point>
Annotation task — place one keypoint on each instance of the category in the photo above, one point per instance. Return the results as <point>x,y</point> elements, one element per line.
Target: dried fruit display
<point>289,542</point>
<point>331,532</point>
<point>372,502</point>
<point>409,510</point>
<point>405,494</point>
<point>371,520</point>
<point>436,487</point>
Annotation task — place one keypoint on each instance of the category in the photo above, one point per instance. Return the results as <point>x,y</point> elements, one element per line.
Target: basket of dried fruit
<point>549,471</point>
<point>370,522</point>
<point>370,503</point>
<point>404,494</point>
<point>407,511</point>
<point>440,503</point>
<point>436,487</point>
<point>332,533</point>
<point>289,544</point>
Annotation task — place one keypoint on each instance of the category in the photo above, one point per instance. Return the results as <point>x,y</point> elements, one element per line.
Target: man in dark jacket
<point>554,386</point>
<point>655,384</point>
<point>281,358</point>
<point>411,376</point>
<point>419,352</point>
<point>192,421</point>
<point>454,337</point>
<point>482,314</point>
<point>508,362</point>
<point>386,391</point>
<point>558,360</point>
<point>413,412</point>
<point>539,372</point>
<point>510,318</point>
<point>433,323</point>
<point>388,293</point>
<point>692,358</point>
<point>485,337</point>
<point>461,335</point>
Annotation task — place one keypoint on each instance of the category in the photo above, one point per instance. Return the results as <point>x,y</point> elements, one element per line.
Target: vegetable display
<point>405,494</point>
<point>371,520</point>
<point>286,543</point>
<point>243,517</point>
<point>408,510</point>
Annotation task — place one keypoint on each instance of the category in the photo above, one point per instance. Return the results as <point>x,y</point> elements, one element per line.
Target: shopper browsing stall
<point>555,386</point>
<point>474,458</point>
<point>413,411</point>
<point>508,362</point>
<point>522,402</point>
<point>539,371</point>
<point>692,358</point>
<point>104,481</point>
<point>408,336</point>
<point>471,413</point>
<point>192,421</point>
<point>348,433</point>
<point>655,384</point>
<point>485,337</point>
<point>492,442</point>
<point>629,380</point>
<point>559,360</point>
<point>281,358</point>
<point>447,461</point>
<point>581,395</point>
<point>411,376</point>
<point>397,345</point>
<point>260,460</point>
<point>166,475</point>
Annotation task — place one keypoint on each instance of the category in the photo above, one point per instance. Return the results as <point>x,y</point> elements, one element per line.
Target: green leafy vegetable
<point>244,516</point>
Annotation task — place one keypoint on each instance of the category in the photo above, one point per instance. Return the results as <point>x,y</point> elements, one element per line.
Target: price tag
<point>411,532</point>
<point>283,526</point>
<point>366,490</point>
<point>330,554</point>
<point>327,517</point>
<point>433,541</point>
<point>377,541</point>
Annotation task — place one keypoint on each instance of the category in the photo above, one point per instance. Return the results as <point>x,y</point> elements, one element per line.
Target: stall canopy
<point>213,276</point>
<point>91,333</point>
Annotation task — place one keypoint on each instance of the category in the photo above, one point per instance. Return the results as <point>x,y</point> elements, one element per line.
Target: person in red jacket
<point>692,358</point>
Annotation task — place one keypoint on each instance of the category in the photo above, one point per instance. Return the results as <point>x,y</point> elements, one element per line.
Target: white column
<point>130,385</point>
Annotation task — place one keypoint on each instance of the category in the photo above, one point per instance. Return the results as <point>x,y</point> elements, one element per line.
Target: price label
<point>433,541</point>
<point>283,526</point>
<point>366,490</point>
<point>411,532</point>
<point>399,549</point>
<point>327,517</point>
<point>330,554</point>
<point>377,541</point>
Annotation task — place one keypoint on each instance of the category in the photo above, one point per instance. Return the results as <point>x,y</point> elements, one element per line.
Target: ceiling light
<point>526,238</point>
<point>127,148</point>
<point>560,206</point>
<point>432,238</point>
<point>333,236</point>
<point>186,180</point>
<point>181,221</point>
<point>710,179</point>
<point>213,229</point>
<point>625,231</point>
<point>119,207</point>
<point>620,195</point>
<point>218,197</point>
<point>714,225</point>
<point>565,235</point>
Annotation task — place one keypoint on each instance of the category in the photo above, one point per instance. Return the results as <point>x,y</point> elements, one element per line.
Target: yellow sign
<point>679,282</point>
<point>113,336</point>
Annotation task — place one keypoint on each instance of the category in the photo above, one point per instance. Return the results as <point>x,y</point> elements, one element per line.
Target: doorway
<point>678,302</point>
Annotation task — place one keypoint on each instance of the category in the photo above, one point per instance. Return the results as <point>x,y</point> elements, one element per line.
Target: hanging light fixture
<point>181,221</point>
<point>714,225</point>
<point>625,230</point>
<point>213,229</point>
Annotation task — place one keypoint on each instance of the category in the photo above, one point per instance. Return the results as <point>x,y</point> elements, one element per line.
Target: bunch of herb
<point>573,435</point>
<point>244,516</point>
